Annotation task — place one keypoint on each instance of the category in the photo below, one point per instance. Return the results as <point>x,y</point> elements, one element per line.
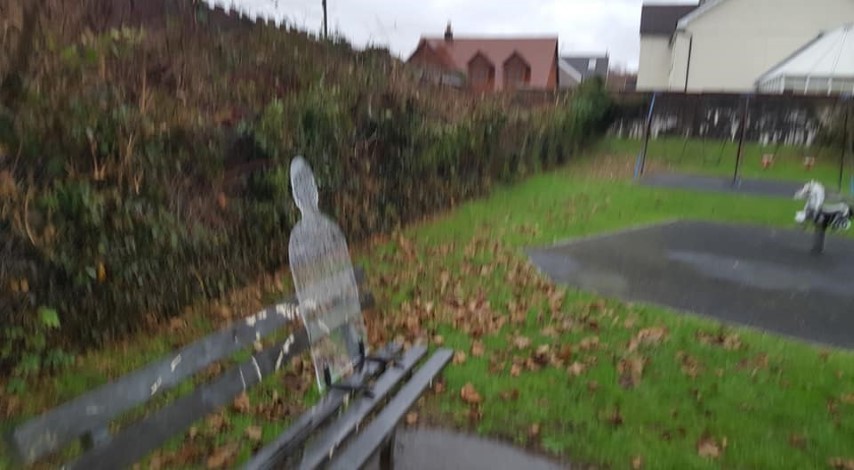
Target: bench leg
<point>387,454</point>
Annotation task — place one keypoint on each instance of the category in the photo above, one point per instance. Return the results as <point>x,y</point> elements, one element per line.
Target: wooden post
<point>738,157</point>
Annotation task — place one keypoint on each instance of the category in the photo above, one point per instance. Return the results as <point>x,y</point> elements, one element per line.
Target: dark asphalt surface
<point>769,188</point>
<point>436,449</point>
<point>756,276</point>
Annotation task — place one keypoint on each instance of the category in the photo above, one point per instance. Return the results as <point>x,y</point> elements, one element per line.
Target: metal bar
<point>640,166</point>
<point>274,454</point>
<point>142,437</point>
<point>743,133</point>
<point>325,444</point>
<point>842,153</point>
<point>365,445</point>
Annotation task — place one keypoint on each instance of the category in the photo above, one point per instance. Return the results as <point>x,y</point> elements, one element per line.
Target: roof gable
<point>830,54</point>
<point>582,65</point>
<point>662,20</point>
<point>539,53</point>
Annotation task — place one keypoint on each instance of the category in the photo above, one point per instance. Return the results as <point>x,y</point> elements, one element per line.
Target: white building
<point>728,45</point>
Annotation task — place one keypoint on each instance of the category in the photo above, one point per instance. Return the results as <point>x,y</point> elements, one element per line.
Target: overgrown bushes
<point>125,197</point>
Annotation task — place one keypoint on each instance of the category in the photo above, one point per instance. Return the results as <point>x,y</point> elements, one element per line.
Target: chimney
<point>449,33</point>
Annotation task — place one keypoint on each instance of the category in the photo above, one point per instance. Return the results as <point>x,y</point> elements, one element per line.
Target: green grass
<point>777,403</point>
<point>715,157</point>
<point>760,409</point>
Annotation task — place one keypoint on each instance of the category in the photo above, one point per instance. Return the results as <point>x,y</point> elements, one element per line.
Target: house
<point>727,45</point>
<point>824,66</point>
<point>575,69</point>
<point>489,64</point>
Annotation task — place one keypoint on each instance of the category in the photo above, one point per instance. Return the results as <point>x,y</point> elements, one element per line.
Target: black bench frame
<point>89,416</point>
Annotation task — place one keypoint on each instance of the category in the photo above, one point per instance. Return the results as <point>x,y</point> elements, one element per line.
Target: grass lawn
<point>715,157</point>
<point>585,379</point>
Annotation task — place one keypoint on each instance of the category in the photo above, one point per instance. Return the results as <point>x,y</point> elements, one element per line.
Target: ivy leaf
<point>49,317</point>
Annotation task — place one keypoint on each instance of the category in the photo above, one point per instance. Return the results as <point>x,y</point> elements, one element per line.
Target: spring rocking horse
<point>822,216</point>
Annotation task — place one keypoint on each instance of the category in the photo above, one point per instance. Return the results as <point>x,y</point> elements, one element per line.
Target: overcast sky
<point>583,26</point>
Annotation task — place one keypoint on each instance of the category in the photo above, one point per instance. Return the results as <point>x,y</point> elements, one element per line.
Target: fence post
<point>640,164</point>
<point>738,157</point>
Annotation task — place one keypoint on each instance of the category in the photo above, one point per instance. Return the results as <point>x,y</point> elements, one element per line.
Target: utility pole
<point>325,28</point>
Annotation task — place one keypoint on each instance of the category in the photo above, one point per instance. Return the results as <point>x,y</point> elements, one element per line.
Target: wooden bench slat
<point>274,454</point>
<point>136,441</point>
<point>358,452</point>
<point>94,410</point>
<point>60,426</point>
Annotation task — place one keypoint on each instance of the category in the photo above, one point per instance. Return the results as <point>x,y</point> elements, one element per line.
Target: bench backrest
<point>89,416</point>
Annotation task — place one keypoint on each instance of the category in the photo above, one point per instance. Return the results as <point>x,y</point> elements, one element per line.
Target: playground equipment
<point>822,216</point>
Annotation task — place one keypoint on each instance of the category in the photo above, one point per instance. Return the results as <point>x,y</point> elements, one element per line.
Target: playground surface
<point>755,276</point>
<point>758,187</point>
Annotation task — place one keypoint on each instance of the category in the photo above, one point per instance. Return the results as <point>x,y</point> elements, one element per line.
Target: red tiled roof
<point>540,53</point>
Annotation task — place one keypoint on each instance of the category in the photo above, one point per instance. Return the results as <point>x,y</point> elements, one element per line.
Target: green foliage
<point>153,167</point>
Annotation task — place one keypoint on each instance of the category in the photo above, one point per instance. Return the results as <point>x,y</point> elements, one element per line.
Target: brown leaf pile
<point>728,341</point>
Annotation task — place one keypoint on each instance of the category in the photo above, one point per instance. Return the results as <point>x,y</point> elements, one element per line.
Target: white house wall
<point>736,42</point>
<point>654,66</point>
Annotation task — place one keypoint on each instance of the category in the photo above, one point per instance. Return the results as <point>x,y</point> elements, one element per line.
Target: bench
<point>364,400</point>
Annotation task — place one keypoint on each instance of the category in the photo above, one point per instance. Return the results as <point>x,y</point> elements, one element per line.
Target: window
<point>517,73</point>
<point>591,66</point>
<point>481,72</point>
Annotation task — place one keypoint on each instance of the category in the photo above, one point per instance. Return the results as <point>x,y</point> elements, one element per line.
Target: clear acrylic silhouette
<point>325,284</point>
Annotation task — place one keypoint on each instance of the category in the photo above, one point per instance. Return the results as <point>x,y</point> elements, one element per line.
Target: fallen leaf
<point>797,441</point>
<point>630,370</point>
<point>549,331</point>
<point>215,422</point>
<point>847,399</point>
<point>438,340</point>
<point>411,418</point>
<point>221,456</point>
<point>522,342</point>
<point>576,369</point>
<point>508,395</point>
<point>592,386</point>
<point>589,343</point>
<point>470,395</point>
<point>690,366</point>
<point>707,447</point>
<point>648,337</point>
<point>839,463</point>
<point>254,433</point>
<point>477,349</point>
<point>534,431</point>
<point>241,403</point>
<point>637,462</point>
<point>459,357</point>
<point>615,418</point>
<point>438,387</point>
<point>565,353</point>
<point>515,370</point>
